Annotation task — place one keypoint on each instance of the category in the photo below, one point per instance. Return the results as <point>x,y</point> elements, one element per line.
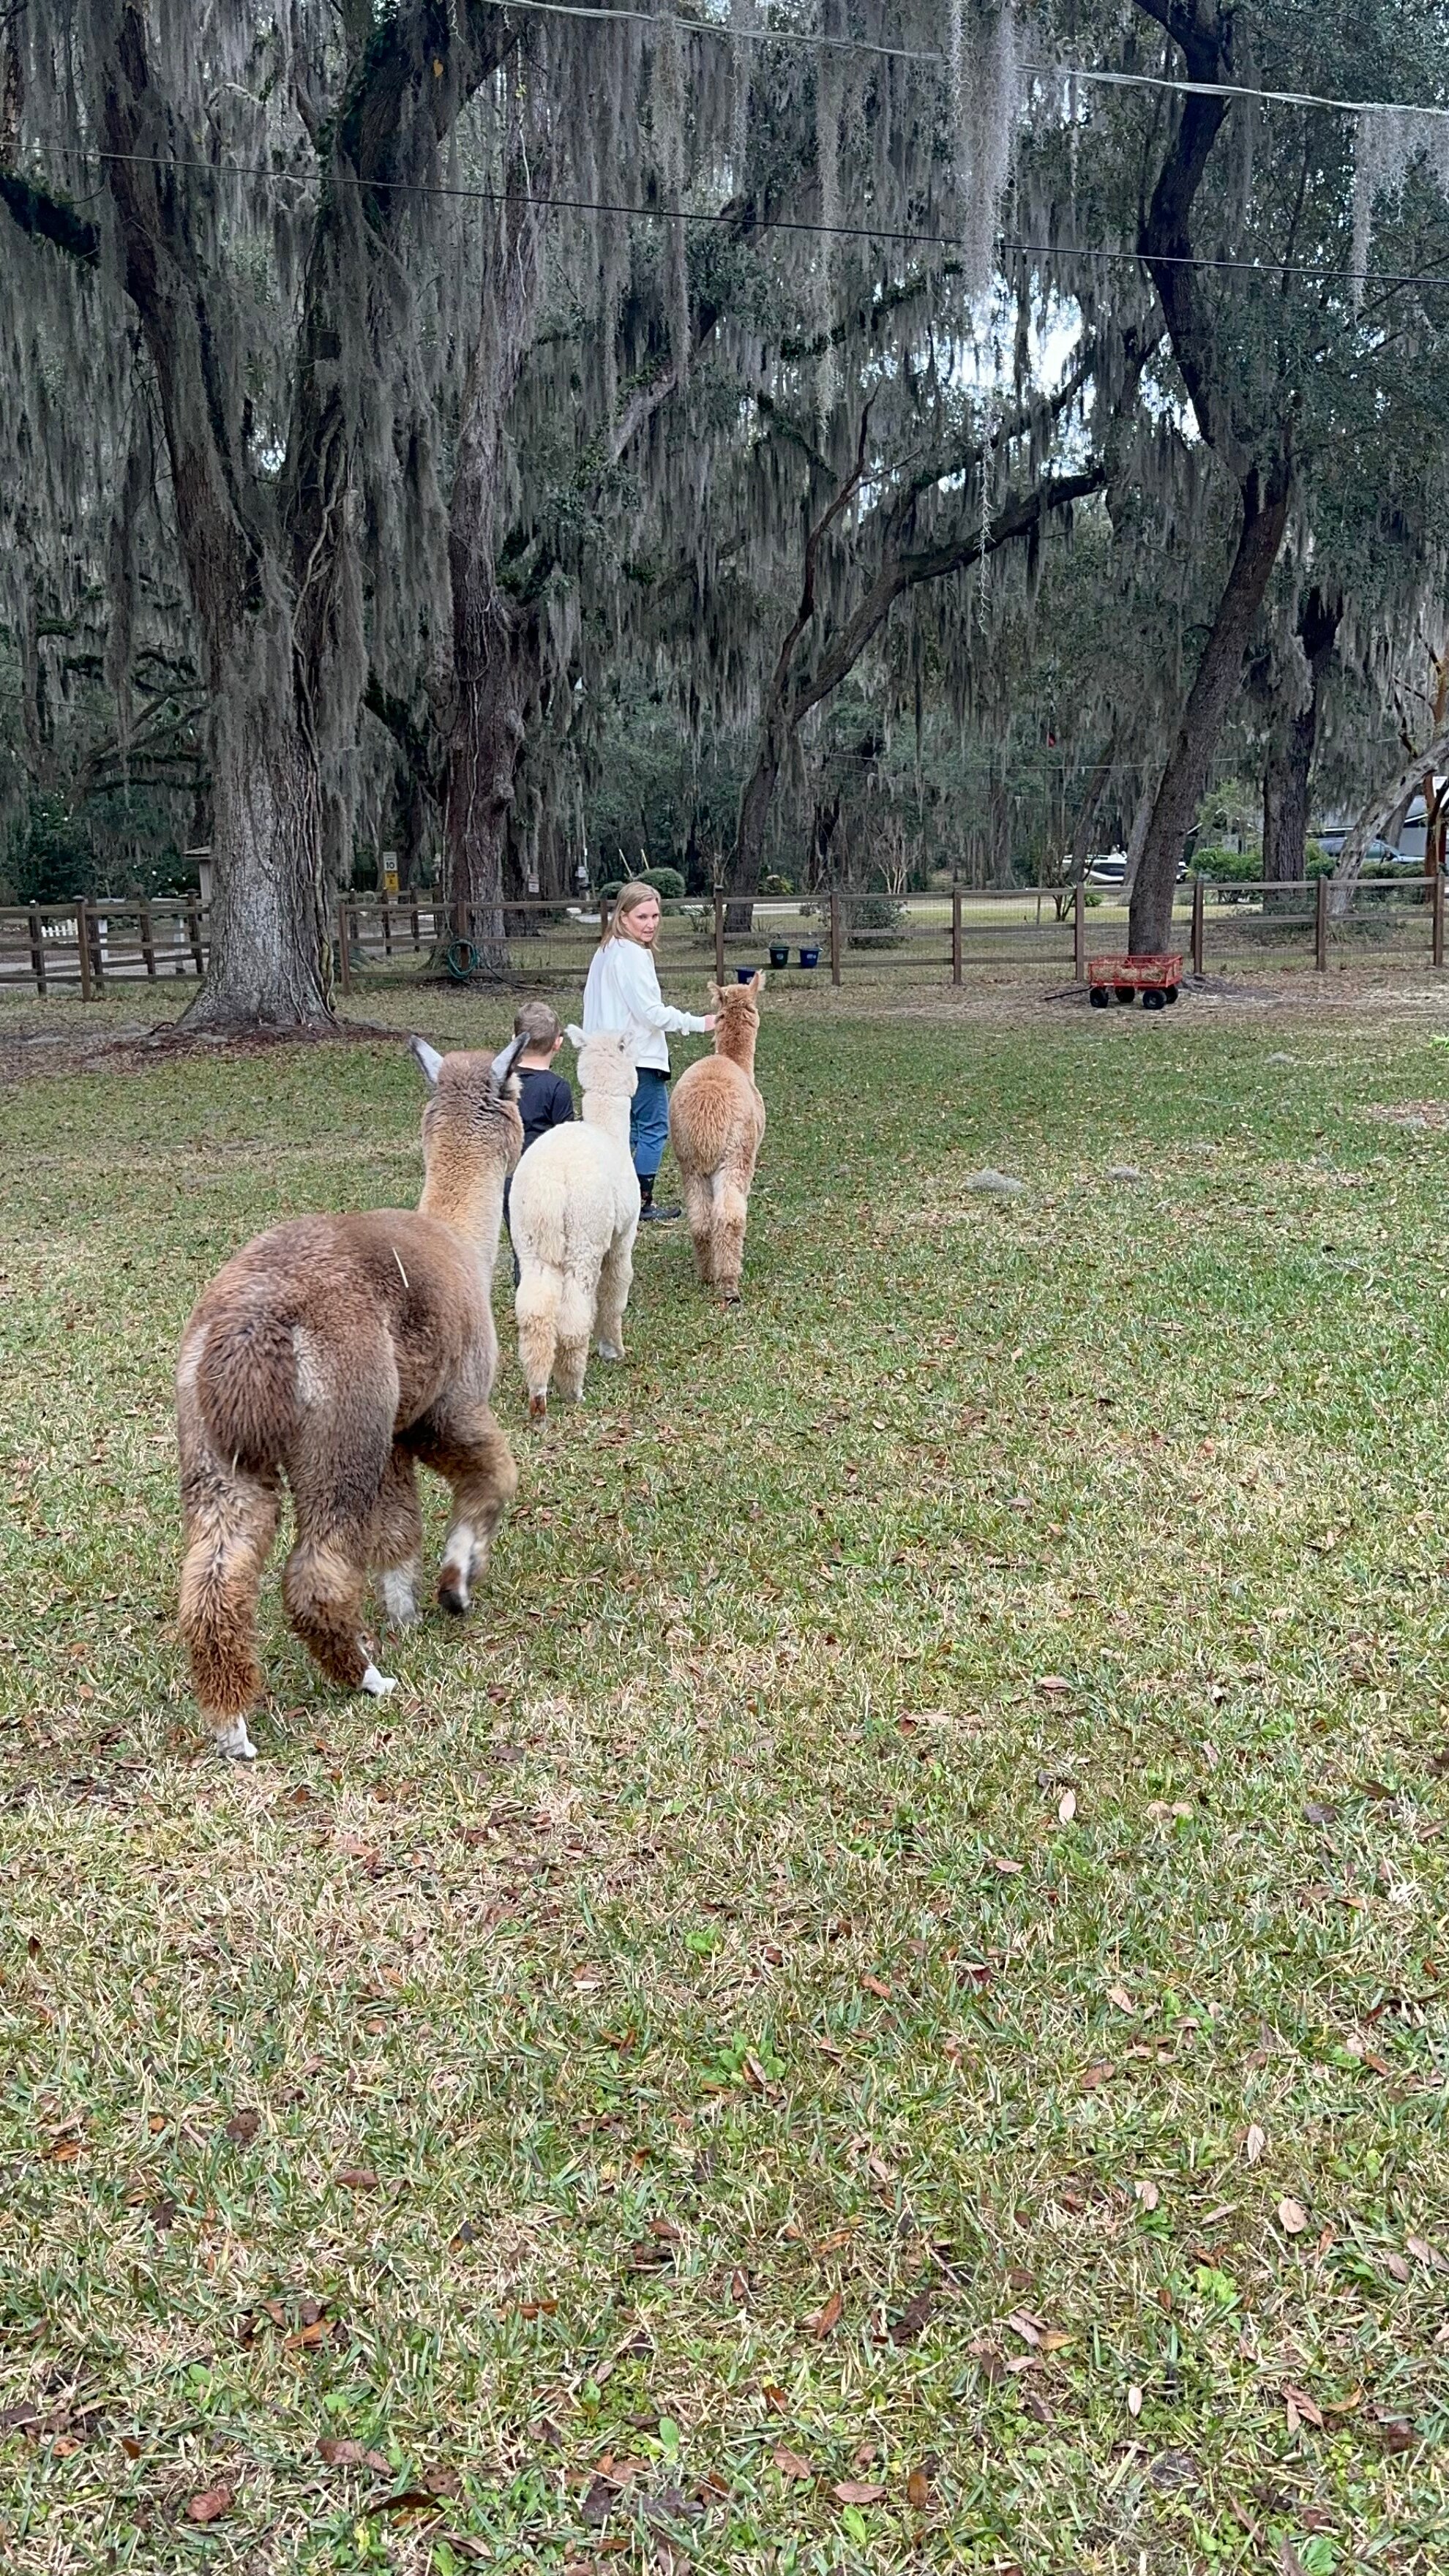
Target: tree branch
<point>47,217</point>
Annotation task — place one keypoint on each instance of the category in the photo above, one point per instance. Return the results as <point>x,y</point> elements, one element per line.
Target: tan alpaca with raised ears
<point>333,1354</point>
<point>716,1127</point>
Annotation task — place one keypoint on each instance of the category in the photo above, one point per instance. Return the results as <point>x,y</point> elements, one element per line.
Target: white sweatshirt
<point>623,992</point>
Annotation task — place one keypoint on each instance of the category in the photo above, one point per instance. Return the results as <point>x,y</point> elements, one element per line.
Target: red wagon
<point>1156,978</point>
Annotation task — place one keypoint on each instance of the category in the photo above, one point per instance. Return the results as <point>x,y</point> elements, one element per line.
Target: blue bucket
<point>746,974</point>
<point>809,956</point>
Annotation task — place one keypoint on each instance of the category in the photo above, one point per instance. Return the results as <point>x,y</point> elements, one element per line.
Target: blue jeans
<point>649,1121</point>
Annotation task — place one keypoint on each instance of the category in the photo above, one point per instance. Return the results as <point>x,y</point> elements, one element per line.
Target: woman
<point>623,992</point>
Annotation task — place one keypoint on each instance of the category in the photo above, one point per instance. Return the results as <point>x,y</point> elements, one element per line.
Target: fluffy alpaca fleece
<point>573,1213</point>
<point>716,1127</point>
<point>333,1354</point>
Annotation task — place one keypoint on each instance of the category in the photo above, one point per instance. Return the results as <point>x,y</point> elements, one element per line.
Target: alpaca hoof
<point>537,1408</point>
<point>735,1300</point>
<point>376,1684</point>
<point>610,1351</point>
<point>452,1592</point>
<point>233,1742</point>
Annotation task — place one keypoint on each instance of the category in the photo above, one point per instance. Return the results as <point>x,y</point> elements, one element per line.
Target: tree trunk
<point>271,936</point>
<point>1380,810</point>
<point>1087,810</point>
<point>1287,775</point>
<point>749,849</point>
<point>1265,517</point>
<point>485,742</point>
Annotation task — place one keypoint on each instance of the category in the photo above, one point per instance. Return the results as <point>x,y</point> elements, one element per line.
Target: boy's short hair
<point>536,1022</point>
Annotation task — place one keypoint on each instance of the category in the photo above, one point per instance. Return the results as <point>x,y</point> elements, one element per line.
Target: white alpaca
<point>573,1213</point>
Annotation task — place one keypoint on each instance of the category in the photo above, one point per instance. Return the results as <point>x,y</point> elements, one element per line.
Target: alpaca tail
<point>246,1386</point>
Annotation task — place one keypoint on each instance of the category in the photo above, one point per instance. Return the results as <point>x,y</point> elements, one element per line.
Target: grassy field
<point>881,2007</point>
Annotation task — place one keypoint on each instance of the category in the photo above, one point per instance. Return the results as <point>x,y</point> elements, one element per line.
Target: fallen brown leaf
<point>1119,1996</point>
<point>242,2127</point>
<point>827,2318</point>
<point>918,2490</point>
<point>1066,1807</point>
<point>206,2507</point>
<point>1134,2399</point>
<point>791,2465</point>
<point>1292,2217</point>
<point>1053,1684</point>
<point>355,2178</point>
<point>877,1986</point>
<point>857,2491</point>
<point>1254,2143</point>
<point>1147,2191</point>
<point>910,2325</point>
<point>1298,2404</point>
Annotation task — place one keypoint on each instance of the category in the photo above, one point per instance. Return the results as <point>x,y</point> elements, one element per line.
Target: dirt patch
<point>81,1046</point>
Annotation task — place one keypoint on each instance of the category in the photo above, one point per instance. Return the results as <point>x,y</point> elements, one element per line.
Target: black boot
<point>649,1214</point>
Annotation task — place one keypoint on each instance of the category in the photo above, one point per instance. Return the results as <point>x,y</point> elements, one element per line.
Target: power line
<point>727,31</point>
<point>1270,271</point>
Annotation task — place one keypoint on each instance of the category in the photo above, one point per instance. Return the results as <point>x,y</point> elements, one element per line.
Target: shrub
<point>668,884</point>
<point>874,921</point>
<point>776,884</point>
<point>1226,867</point>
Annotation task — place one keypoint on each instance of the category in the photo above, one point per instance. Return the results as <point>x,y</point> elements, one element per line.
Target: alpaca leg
<point>397,1541</point>
<point>322,1585</point>
<point>536,1308</point>
<point>577,1304</point>
<point>615,1280</point>
<point>340,1472</point>
<point>699,1209</point>
<point>731,1208</point>
<point>465,1446</point>
<point>230,1523</point>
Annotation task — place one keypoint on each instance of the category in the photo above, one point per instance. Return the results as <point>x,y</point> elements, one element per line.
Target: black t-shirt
<point>544,1101</point>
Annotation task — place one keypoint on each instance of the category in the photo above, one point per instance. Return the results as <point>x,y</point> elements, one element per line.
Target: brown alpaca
<point>334,1353</point>
<point>716,1126</point>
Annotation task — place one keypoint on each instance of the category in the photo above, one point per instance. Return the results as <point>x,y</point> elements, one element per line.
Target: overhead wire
<point>1270,271</point>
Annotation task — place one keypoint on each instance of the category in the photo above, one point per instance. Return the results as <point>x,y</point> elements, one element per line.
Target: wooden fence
<point>913,941</point>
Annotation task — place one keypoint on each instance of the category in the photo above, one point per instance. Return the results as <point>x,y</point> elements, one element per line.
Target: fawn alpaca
<point>573,1213</point>
<point>716,1126</point>
<point>333,1353</point>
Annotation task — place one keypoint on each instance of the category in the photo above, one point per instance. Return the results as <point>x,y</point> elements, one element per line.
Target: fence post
<point>1438,912</point>
<point>1079,933</point>
<point>148,944</point>
<point>386,927</point>
<point>37,949</point>
<point>193,924</point>
<point>603,918</point>
<point>344,962</point>
<point>955,934</point>
<point>834,935</point>
<point>1320,927</point>
<point>83,943</point>
<point>1197,925</point>
<point>417,930</point>
<point>719,913</point>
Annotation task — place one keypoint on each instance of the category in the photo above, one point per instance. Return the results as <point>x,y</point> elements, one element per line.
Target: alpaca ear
<point>430,1060</point>
<point>575,1036</point>
<point>715,997</point>
<point>504,1069</point>
<point>757,980</point>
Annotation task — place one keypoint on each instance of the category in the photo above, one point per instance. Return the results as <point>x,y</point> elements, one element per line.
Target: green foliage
<point>874,921</point>
<point>773,882</point>
<point>1223,865</point>
<point>668,884</point>
<point>117,843</point>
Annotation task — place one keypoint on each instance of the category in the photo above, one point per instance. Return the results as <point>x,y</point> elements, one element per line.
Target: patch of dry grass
<point>755,2061</point>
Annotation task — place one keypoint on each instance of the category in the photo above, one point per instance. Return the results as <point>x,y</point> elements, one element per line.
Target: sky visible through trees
<point>819,440</point>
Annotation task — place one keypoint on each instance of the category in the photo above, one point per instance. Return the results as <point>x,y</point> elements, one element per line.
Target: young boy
<point>544,1098</point>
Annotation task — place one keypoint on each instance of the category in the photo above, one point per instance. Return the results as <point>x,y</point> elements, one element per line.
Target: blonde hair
<point>628,899</point>
<point>536,1022</point>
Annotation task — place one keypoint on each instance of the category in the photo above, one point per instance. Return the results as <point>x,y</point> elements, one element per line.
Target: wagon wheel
<point>1154,1001</point>
<point>1125,992</point>
<point>1170,992</point>
<point>1100,998</point>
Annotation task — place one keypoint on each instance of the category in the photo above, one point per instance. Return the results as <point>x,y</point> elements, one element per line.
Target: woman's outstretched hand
<point>709,1019</point>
